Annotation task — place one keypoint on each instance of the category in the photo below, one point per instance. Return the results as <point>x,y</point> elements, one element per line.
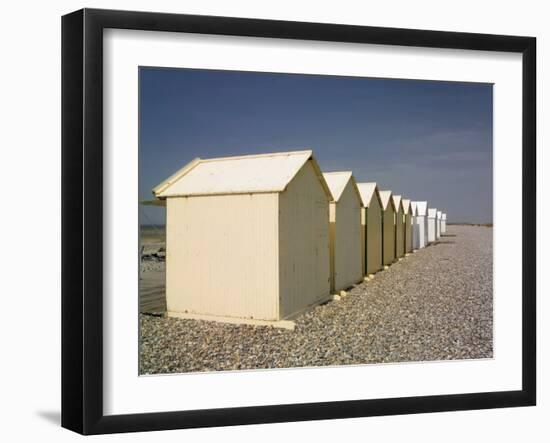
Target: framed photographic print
<point>268,221</point>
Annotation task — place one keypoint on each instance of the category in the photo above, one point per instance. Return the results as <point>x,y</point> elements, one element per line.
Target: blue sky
<point>425,140</point>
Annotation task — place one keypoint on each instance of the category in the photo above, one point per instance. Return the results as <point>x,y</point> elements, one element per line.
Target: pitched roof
<point>337,182</point>
<point>407,206</point>
<point>432,212</point>
<point>367,190</point>
<point>238,175</point>
<point>414,208</point>
<point>397,202</point>
<point>385,197</point>
<point>422,207</point>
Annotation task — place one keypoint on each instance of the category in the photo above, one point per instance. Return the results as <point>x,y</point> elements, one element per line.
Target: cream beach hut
<point>443,223</point>
<point>407,209</point>
<point>345,230</point>
<point>421,225</point>
<point>388,227</point>
<point>399,227</point>
<point>432,222</point>
<point>438,225</point>
<point>371,219</point>
<point>247,237</point>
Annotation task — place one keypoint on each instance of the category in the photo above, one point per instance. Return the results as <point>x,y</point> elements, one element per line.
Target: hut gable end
<point>304,256</point>
<point>387,200</point>
<point>407,207</point>
<point>367,190</point>
<point>337,183</point>
<point>422,208</point>
<point>398,203</point>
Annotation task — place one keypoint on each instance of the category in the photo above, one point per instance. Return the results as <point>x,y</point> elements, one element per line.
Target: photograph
<point>296,220</point>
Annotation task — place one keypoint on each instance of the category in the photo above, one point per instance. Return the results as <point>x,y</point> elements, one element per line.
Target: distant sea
<point>152,232</point>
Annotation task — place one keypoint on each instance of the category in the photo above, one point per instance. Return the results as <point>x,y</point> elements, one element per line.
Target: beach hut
<point>345,230</point>
<point>438,225</point>
<point>415,239</point>
<point>407,209</point>
<point>247,237</point>
<point>443,223</point>
<point>399,226</point>
<point>421,225</point>
<point>432,222</point>
<point>388,227</point>
<point>371,219</point>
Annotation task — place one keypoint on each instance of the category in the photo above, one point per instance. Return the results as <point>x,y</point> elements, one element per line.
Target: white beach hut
<point>421,225</point>
<point>414,210</point>
<point>399,226</point>
<point>432,222</point>
<point>443,223</point>
<point>408,228</point>
<point>371,218</point>
<point>388,227</point>
<point>247,237</point>
<point>345,230</point>
<point>438,225</point>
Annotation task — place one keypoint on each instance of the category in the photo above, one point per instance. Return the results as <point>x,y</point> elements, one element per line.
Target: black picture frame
<point>82,219</point>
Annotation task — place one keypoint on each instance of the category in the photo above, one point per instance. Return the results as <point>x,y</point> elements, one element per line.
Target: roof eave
<point>157,190</point>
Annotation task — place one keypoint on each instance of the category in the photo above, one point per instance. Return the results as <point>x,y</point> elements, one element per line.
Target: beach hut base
<point>283,324</point>
<point>366,278</point>
<point>369,277</point>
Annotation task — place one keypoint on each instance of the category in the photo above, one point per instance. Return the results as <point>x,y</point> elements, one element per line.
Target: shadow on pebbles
<point>435,304</point>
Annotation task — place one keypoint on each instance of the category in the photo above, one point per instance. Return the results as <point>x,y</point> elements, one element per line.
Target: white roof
<point>337,182</point>
<point>367,190</point>
<point>397,202</point>
<point>421,207</point>
<point>438,214</point>
<point>237,175</point>
<point>385,197</point>
<point>444,216</point>
<point>414,208</point>
<point>407,206</point>
<point>432,212</point>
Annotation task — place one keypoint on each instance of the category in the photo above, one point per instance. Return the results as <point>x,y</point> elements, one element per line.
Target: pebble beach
<point>434,304</point>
